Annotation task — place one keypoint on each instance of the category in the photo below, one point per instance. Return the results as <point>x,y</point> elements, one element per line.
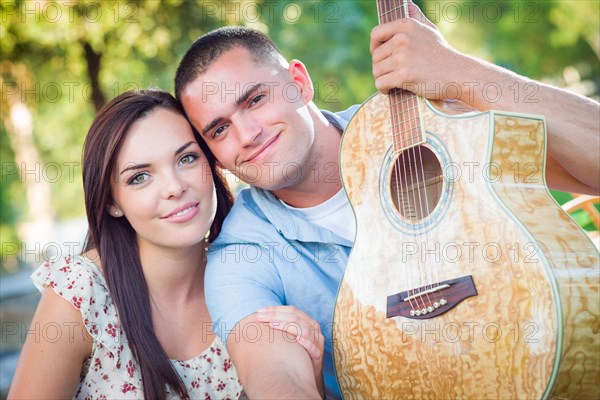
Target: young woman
<point>128,319</point>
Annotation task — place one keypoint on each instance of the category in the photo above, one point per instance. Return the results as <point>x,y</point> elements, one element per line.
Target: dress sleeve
<point>79,282</point>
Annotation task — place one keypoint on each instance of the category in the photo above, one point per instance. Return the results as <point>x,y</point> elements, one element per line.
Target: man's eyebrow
<point>212,124</point>
<point>247,93</point>
<point>243,97</point>
<point>133,166</point>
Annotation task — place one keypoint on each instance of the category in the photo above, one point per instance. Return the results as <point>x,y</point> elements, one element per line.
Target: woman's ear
<point>300,76</point>
<point>114,211</point>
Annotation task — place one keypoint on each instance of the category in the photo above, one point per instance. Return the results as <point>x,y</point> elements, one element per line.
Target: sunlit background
<point>61,61</point>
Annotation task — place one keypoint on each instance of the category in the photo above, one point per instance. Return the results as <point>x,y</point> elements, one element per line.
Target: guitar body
<point>521,280</point>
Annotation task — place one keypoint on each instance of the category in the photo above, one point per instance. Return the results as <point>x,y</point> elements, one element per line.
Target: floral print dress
<point>111,370</point>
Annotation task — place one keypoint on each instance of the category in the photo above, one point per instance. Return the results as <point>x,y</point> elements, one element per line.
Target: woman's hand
<point>305,330</point>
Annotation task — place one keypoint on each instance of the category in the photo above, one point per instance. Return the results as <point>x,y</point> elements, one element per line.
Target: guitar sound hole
<point>416,182</point>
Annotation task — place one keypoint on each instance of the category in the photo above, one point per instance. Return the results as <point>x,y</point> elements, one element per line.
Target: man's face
<point>254,118</point>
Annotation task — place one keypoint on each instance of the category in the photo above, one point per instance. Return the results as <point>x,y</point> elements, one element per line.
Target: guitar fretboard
<point>404,105</point>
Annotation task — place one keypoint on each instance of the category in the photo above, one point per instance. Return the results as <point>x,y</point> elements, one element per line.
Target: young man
<point>287,239</point>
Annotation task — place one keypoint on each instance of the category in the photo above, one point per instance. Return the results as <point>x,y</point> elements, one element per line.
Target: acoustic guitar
<point>467,280</point>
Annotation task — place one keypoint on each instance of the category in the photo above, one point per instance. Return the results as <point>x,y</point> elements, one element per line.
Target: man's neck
<point>320,173</point>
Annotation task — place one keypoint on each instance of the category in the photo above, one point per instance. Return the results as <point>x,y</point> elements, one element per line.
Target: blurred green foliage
<point>53,55</point>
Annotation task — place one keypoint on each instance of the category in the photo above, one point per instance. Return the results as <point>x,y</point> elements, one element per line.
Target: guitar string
<point>416,186</point>
<point>401,203</point>
<point>400,198</point>
<point>422,190</point>
<point>406,160</point>
<point>413,108</point>
<point>433,270</point>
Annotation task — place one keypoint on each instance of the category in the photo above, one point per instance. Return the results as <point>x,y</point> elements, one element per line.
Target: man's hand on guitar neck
<point>409,53</point>
<point>412,54</point>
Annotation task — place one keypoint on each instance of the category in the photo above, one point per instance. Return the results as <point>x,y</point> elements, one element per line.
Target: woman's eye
<point>137,179</point>
<point>188,158</point>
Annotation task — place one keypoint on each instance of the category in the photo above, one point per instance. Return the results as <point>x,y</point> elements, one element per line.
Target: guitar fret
<point>407,125</point>
<point>402,136</point>
<point>404,143</point>
<point>402,101</point>
<point>386,14</point>
<point>410,140</point>
<point>412,135</point>
<point>405,110</point>
<point>408,129</point>
<point>408,109</point>
<point>414,128</point>
<point>392,10</point>
<point>410,119</point>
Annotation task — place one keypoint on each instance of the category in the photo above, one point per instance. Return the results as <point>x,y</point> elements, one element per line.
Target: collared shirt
<point>266,255</point>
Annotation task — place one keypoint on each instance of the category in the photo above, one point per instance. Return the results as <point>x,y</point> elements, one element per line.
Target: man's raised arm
<point>411,54</point>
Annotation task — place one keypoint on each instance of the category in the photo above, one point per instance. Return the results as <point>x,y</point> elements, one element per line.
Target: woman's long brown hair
<point>115,240</point>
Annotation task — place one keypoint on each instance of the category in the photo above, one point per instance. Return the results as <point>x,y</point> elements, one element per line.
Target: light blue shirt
<point>267,256</point>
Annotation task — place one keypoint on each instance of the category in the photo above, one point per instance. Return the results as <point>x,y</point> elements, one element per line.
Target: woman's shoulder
<point>79,281</point>
<point>69,274</point>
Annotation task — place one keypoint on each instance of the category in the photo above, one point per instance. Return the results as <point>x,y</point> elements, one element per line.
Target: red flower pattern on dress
<point>130,368</point>
<point>97,364</point>
<point>111,329</point>
<point>227,364</point>
<point>208,375</point>
<point>128,387</point>
<point>77,301</point>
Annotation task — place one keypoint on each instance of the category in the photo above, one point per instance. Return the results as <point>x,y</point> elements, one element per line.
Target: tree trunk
<point>93,60</point>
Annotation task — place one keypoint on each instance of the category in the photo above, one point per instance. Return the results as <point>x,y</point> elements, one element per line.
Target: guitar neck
<point>404,105</point>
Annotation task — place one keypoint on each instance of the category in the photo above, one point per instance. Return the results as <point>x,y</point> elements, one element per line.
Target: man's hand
<point>269,364</point>
<point>302,328</point>
<point>411,54</point>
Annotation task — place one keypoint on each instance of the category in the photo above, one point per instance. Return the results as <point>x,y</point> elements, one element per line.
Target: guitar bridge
<point>431,300</point>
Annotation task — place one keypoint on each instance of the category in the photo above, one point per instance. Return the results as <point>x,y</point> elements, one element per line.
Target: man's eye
<point>138,179</point>
<point>219,131</point>
<point>256,99</point>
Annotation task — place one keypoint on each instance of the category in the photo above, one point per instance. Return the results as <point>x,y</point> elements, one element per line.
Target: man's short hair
<point>210,46</point>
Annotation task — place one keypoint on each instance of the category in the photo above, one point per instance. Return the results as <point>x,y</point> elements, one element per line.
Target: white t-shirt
<point>334,214</point>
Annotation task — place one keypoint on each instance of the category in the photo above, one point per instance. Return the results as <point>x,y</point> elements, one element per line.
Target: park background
<point>62,60</point>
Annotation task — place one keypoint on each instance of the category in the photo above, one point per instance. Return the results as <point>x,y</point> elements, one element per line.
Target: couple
<point>154,192</point>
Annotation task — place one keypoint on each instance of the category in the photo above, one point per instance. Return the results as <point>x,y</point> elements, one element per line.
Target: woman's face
<point>162,182</point>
